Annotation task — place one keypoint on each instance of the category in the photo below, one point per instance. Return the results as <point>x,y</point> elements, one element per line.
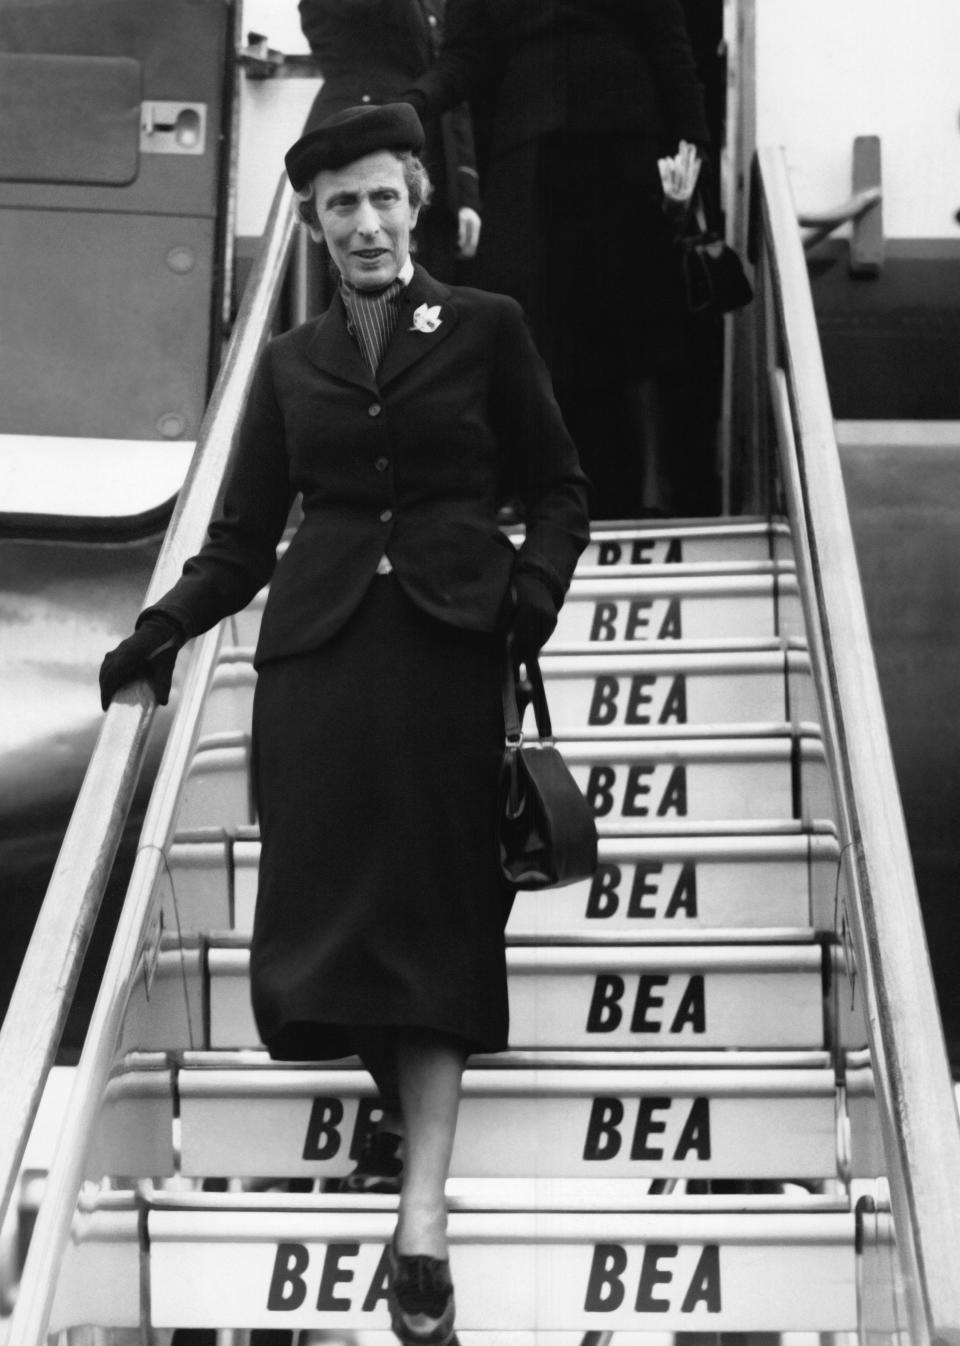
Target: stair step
<point>217,788</point>
<point>519,1123</point>
<point>656,781</point>
<point>643,692</point>
<point>685,1115</point>
<point>729,1120</point>
<point>627,568</point>
<point>615,693</point>
<point>650,886</point>
<point>702,779</point>
<point>279,1261</point>
<point>679,544</point>
<point>604,996</point>
<point>628,605</point>
<point>628,608</point>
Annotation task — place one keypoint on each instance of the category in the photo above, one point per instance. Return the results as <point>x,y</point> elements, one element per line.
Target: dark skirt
<point>380,902</point>
<point>574,229</point>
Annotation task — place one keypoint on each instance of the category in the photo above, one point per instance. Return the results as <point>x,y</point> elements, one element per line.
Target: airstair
<point>726,1108</point>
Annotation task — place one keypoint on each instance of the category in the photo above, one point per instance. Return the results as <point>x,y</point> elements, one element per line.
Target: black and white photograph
<point>479,649</point>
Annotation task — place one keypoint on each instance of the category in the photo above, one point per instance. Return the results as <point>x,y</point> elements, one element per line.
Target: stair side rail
<point>33,1026</point>
<point>914,1089</point>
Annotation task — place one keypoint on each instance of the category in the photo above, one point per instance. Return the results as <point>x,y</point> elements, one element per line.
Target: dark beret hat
<point>349,135</point>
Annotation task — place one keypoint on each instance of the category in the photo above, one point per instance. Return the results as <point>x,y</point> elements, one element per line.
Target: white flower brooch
<point>426,318</point>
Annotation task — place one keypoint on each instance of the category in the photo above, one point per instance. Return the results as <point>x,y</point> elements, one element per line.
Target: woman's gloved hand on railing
<point>150,653</point>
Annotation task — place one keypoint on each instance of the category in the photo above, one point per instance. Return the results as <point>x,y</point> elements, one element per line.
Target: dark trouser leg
<point>621,433</point>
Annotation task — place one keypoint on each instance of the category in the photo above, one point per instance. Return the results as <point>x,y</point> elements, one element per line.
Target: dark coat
<point>369,51</point>
<point>585,96</point>
<point>613,66</point>
<point>412,463</point>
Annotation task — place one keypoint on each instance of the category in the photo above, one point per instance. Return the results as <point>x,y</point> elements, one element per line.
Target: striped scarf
<point>373,318</point>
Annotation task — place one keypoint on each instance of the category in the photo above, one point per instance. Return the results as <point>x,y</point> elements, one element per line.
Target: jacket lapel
<point>408,343</point>
<point>334,350</point>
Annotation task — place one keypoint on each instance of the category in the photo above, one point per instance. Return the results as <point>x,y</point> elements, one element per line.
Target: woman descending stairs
<point>683,1137</point>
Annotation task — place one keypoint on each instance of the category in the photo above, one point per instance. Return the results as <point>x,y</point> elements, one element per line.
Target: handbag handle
<point>512,726</point>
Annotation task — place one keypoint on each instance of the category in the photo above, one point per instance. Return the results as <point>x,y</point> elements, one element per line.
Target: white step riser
<point>866,1157</point>
<point>601,1287</point>
<point>591,1125</point>
<point>653,887</point>
<point>717,547</point>
<point>217,788</point>
<point>666,781</point>
<point>642,1126</point>
<point>602,999</point>
<point>569,1122</point>
<point>569,1273</point>
<point>637,610</point>
<point>620,1009</point>
<point>670,781</point>
<point>598,612</point>
<point>653,898</point>
<point>607,702</point>
<point>636,548</point>
<point>133,1137</point>
<point>601,702</point>
<point>664,900</point>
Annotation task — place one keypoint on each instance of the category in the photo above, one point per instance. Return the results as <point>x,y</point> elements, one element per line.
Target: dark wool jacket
<point>413,463</point>
<point>614,66</point>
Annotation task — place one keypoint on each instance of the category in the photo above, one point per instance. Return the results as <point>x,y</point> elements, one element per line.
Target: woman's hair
<point>419,188</point>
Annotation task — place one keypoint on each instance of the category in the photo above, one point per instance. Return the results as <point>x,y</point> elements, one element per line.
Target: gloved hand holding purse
<point>150,653</point>
<point>534,615</point>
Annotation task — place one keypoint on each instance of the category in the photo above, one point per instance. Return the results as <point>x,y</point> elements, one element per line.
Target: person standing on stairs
<point>403,416</point>
<point>584,97</point>
<point>368,51</point>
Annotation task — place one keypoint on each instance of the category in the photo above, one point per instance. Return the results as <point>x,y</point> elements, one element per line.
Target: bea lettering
<point>288,1283</point>
<point>325,1129</point>
<point>639,552</point>
<point>606,1013</point>
<point>605,1130</point>
<point>640,707</point>
<point>645,899</point>
<point>640,621</point>
<point>697,1291</point>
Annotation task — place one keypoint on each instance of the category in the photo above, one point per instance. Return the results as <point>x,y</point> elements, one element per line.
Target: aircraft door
<point>111,156</point>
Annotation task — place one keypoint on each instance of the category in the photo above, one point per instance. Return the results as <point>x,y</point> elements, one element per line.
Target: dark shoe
<point>420,1298</point>
<point>379,1168</point>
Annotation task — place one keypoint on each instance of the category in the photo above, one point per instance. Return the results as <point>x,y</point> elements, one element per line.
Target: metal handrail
<point>137,931</point>
<point>824,222</point>
<point>33,1026</point>
<point>913,1084</point>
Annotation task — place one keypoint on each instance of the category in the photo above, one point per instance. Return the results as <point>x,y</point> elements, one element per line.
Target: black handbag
<point>714,280</point>
<point>548,836</point>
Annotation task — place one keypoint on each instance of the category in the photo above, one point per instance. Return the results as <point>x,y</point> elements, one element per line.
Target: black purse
<point>714,280</point>
<point>548,836</point>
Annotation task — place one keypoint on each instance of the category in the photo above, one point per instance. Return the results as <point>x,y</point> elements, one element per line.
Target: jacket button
<point>386,515</point>
<point>382,464</point>
<point>374,409</point>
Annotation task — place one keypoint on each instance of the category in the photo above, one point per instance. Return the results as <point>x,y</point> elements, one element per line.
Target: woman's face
<point>366,218</point>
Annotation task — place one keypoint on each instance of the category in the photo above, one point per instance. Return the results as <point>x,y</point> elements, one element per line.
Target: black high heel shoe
<point>420,1299</point>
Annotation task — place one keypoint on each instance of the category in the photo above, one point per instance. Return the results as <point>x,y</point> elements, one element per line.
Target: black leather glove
<point>150,653</point>
<point>534,615</point>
